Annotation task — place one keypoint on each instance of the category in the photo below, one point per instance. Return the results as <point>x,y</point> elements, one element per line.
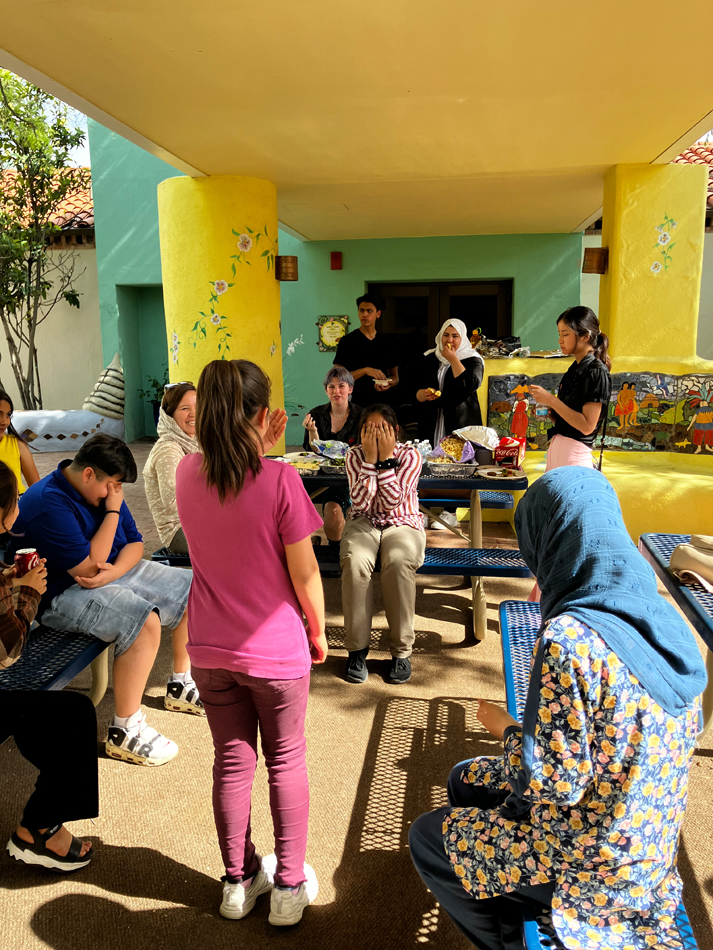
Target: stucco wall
<point>68,344</point>
<point>124,182</point>
<point>544,268</point>
<point>704,346</point>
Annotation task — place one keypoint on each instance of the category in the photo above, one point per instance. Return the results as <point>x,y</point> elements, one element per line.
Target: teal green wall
<point>545,269</point>
<point>124,182</point>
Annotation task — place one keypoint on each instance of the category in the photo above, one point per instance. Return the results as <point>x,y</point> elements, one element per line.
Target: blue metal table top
<point>425,483</point>
<point>695,602</point>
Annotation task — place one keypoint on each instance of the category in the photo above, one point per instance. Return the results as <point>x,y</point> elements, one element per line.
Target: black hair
<point>4,397</point>
<point>372,299</point>
<point>585,322</point>
<point>107,456</point>
<point>8,494</point>
<point>386,411</point>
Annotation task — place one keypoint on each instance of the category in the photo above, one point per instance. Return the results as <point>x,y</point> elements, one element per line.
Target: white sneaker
<point>139,743</point>
<point>238,901</point>
<point>287,906</point>
<point>183,697</point>
<point>448,517</point>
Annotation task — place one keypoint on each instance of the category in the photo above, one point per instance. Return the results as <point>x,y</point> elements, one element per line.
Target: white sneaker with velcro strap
<point>183,697</point>
<point>140,745</point>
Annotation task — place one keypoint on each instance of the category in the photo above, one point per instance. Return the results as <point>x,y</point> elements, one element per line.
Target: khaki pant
<point>402,551</point>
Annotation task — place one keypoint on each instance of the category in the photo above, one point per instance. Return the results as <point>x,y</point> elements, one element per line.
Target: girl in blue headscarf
<point>584,809</point>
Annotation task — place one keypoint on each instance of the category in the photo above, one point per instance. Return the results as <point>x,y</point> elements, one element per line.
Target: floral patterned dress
<point>606,773</point>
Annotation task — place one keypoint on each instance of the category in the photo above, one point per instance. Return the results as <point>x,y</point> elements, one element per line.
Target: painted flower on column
<point>251,238</point>
<point>199,333</point>
<point>664,244</point>
<point>175,344</point>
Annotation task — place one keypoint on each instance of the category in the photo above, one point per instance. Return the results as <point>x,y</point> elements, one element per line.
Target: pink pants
<point>236,705</point>
<point>563,451</point>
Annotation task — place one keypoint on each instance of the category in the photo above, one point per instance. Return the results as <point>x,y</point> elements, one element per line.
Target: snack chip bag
<point>457,449</point>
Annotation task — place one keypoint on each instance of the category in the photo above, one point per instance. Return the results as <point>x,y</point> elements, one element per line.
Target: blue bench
<point>51,660</point>
<point>488,499</point>
<point>470,562</point>
<point>166,556</point>
<point>520,623</point>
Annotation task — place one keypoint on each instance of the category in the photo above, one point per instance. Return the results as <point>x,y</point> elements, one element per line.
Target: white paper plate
<point>305,456</point>
<point>498,473</point>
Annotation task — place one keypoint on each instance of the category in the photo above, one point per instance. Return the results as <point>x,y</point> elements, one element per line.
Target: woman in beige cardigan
<point>177,437</point>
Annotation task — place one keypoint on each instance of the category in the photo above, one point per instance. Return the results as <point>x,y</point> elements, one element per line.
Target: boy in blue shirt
<point>98,584</point>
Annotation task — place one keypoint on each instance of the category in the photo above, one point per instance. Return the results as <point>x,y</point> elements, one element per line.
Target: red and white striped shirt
<point>385,496</point>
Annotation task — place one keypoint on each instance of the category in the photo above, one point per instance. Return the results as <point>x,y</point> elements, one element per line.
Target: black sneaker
<point>356,667</point>
<point>400,671</point>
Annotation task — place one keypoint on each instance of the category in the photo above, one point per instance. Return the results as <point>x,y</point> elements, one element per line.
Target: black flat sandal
<point>39,854</point>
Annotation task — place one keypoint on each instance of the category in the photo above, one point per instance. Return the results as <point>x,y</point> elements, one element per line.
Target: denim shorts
<point>117,612</point>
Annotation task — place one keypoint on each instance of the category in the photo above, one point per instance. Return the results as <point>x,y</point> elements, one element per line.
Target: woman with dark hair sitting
<point>337,419</point>
<point>176,439</point>
<point>14,451</point>
<point>583,811</point>
<point>384,521</point>
<point>61,793</point>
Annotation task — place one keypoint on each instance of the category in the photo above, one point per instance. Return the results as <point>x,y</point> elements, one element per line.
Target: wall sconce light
<point>335,260</point>
<point>286,267</point>
<point>595,260</point>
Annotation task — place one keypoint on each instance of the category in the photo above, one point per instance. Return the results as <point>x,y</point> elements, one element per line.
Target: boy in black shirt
<point>368,355</point>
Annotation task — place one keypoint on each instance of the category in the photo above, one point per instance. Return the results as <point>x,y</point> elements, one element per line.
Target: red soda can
<point>25,560</point>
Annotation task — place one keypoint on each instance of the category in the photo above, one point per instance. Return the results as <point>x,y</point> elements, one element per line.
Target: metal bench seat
<point>520,623</point>
<point>51,660</point>
<point>488,499</point>
<point>166,556</point>
<point>470,562</point>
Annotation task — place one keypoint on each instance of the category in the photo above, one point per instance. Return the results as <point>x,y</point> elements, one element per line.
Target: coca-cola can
<point>25,560</point>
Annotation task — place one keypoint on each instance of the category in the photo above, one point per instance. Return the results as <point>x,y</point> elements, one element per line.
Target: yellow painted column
<point>653,224</point>
<point>222,300</point>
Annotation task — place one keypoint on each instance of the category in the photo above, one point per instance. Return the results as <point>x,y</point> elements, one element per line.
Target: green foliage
<point>36,141</point>
<point>154,387</point>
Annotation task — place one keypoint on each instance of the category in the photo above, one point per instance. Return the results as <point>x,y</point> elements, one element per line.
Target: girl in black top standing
<point>582,400</point>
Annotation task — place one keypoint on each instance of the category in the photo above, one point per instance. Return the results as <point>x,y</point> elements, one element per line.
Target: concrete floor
<point>378,756</point>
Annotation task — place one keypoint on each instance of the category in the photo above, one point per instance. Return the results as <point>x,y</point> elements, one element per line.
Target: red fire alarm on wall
<point>335,260</point>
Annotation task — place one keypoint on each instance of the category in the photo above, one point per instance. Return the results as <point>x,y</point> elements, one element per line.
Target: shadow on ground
<point>379,900</point>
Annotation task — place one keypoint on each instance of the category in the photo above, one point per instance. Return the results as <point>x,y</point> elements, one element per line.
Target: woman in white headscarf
<point>450,375</point>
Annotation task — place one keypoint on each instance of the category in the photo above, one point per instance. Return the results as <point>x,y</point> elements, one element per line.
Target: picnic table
<point>695,602</point>
<point>316,483</point>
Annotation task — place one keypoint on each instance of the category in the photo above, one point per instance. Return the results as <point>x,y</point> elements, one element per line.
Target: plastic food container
<point>448,469</point>
<point>328,469</point>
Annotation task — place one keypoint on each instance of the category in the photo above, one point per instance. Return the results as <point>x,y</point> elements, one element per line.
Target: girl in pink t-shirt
<point>248,522</point>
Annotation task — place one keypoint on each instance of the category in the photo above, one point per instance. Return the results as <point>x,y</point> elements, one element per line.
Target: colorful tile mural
<point>648,412</point>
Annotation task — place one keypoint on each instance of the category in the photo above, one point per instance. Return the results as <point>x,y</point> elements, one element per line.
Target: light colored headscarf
<point>464,352</point>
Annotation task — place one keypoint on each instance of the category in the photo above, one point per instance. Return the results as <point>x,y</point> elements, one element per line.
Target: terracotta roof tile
<point>699,155</point>
<point>76,210</point>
